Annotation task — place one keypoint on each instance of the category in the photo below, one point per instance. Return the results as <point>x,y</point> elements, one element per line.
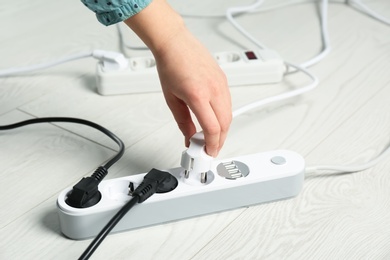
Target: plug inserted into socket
<point>195,160</point>
<point>240,182</point>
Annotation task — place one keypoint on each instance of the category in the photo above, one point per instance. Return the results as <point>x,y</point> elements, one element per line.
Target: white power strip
<point>241,68</point>
<point>231,183</point>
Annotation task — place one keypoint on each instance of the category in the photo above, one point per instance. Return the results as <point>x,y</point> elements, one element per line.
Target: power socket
<point>231,183</point>
<point>240,67</point>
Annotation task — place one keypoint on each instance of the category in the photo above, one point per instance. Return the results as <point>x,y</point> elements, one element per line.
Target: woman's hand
<point>190,77</point>
<point>192,80</point>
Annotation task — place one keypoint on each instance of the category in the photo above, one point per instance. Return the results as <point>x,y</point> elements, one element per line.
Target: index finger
<point>210,126</point>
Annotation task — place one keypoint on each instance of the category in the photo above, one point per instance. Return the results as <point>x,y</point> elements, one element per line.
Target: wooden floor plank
<point>344,120</point>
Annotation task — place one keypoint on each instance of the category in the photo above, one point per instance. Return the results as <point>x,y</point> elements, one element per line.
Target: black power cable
<point>85,193</point>
<point>76,121</point>
<point>155,181</point>
<point>107,229</point>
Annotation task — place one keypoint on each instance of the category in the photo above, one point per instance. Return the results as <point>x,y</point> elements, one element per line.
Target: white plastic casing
<point>141,74</point>
<point>195,158</point>
<point>273,175</point>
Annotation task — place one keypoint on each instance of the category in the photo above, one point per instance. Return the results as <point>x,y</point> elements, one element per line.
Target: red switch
<point>250,55</point>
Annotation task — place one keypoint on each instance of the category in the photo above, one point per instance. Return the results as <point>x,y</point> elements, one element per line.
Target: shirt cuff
<point>110,12</point>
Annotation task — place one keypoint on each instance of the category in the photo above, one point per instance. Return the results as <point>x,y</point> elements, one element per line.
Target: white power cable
<point>111,61</point>
<point>369,11</point>
<point>282,5</point>
<point>386,152</point>
<point>252,8</point>
<point>231,11</point>
<point>236,10</point>
<point>282,96</point>
<point>324,36</point>
<point>31,68</point>
<point>257,10</point>
<point>349,168</point>
<point>316,59</point>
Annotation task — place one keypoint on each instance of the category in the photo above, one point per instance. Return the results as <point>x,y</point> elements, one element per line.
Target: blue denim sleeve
<point>109,12</point>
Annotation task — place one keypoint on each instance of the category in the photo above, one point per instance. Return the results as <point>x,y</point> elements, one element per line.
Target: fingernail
<point>213,153</point>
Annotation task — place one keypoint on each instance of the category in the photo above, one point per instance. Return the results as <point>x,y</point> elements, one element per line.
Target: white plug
<point>195,160</point>
<point>111,61</point>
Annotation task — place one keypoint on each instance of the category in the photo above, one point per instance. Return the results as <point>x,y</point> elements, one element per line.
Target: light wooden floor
<point>345,120</point>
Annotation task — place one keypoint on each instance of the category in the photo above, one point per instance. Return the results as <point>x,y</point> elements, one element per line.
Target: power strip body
<point>273,175</point>
<point>240,67</point>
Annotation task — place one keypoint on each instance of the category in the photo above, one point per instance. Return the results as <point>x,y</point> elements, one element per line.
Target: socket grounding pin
<point>232,170</point>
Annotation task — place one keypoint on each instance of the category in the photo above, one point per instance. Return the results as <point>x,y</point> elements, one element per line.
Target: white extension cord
<point>232,183</point>
<point>241,68</point>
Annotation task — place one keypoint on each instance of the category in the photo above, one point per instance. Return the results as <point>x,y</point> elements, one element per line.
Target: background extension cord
<point>231,183</point>
<point>240,67</point>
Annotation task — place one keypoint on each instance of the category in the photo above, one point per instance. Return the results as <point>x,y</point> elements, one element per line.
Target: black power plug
<point>86,193</point>
<point>155,181</point>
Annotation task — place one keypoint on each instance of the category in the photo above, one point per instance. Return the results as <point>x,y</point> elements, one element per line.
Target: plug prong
<point>203,177</point>
<point>186,174</point>
<point>131,188</point>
